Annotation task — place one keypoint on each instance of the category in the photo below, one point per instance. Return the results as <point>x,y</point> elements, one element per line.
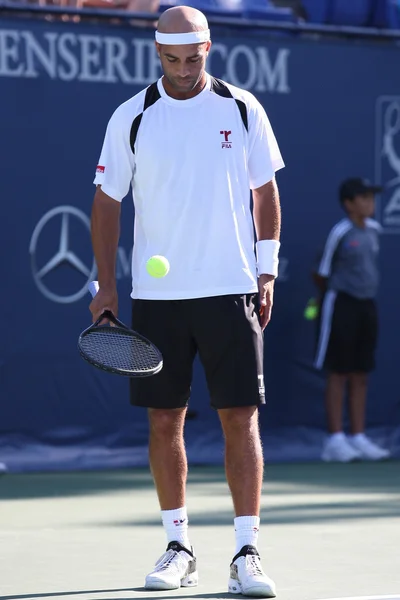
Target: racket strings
<point>116,349</point>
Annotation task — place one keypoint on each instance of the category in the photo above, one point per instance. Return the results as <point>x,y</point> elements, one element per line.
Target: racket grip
<point>93,288</point>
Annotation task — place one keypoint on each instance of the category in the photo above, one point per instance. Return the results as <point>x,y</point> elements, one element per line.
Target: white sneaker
<point>338,449</point>
<point>367,449</point>
<point>247,576</point>
<point>174,569</point>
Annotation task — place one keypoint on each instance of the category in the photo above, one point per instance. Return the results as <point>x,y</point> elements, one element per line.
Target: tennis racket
<point>117,349</point>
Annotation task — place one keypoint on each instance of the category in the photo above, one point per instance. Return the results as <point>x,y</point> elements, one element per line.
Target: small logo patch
<point>100,169</point>
<point>226,143</point>
<point>353,244</point>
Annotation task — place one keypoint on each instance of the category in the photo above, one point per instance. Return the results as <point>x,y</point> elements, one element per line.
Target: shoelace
<point>166,561</point>
<point>169,557</point>
<point>253,563</point>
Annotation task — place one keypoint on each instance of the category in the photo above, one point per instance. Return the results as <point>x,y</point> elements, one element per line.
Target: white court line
<point>397,597</point>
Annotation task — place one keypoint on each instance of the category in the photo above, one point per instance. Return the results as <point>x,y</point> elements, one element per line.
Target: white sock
<point>246,532</point>
<point>176,526</point>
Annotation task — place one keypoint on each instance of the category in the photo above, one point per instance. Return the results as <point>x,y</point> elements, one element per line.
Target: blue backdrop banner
<point>335,108</point>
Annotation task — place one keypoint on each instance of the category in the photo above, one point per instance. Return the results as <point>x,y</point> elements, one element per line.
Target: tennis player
<point>193,147</point>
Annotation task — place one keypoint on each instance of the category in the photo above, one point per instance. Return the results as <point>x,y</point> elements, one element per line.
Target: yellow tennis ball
<point>311,313</point>
<point>157,266</point>
<point>312,309</point>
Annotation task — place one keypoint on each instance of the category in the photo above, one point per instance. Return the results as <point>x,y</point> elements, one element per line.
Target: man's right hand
<point>105,299</point>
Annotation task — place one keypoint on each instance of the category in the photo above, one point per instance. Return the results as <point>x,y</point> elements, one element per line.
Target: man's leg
<point>230,342</point>
<point>244,465</point>
<point>165,396</point>
<point>244,462</point>
<point>177,567</point>
<point>167,455</point>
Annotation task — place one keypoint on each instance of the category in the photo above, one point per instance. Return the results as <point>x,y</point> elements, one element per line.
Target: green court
<point>328,531</point>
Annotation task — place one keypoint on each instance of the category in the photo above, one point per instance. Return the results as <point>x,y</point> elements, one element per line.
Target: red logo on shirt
<point>100,169</point>
<point>226,143</point>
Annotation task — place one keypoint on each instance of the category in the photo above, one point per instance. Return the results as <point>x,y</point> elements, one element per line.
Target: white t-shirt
<point>191,168</point>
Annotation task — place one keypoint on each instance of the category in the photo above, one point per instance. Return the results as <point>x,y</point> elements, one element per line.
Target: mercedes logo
<point>64,255</point>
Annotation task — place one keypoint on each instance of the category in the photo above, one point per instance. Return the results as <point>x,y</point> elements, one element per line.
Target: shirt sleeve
<point>264,157</point>
<point>331,245</point>
<point>115,169</point>
<point>375,225</point>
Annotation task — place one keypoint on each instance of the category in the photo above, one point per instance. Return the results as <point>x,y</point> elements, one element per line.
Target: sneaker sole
<point>154,583</point>
<point>258,591</point>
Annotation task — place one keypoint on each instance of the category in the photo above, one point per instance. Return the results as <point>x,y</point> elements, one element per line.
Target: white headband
<point>181,39</point>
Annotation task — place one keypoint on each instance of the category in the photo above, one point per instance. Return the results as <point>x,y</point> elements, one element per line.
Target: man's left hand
<point>266,289</point>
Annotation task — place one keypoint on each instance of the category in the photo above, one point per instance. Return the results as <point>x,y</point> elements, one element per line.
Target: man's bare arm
<point>105,227</point>
<point>267,221</point>
<point>267,211</point>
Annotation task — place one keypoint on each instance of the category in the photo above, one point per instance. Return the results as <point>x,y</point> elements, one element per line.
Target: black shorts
<point>224,330</point>
<point>348,332</point>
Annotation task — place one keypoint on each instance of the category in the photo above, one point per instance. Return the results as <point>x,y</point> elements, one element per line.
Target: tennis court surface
<point>328,531</point>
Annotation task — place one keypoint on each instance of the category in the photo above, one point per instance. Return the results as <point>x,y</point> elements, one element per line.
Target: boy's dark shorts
<point>348,333</point>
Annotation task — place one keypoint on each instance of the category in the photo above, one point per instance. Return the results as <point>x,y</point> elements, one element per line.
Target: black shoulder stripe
<point>221,89</point>
<point>134,129</point>
<point>243,113</point>
<point>151,97</point>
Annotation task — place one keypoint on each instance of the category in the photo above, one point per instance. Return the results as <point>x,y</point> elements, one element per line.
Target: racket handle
<point>93,288</point>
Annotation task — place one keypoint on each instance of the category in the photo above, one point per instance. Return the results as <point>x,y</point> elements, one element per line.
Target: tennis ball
<point>312,310</point>
<point>311,313</point>
<point>157,266</point>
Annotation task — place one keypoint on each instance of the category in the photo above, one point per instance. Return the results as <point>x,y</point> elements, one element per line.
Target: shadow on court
<point>182,593</point>
<point>296,514</point>
<point>48,485</point>
<point>315,478</point>
<point>70,593</point>
<point>177,594</point>
<point>311,493</point>
<point>86,483</point>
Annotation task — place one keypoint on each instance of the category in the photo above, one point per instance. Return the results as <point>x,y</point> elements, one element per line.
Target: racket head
<point>118,349</point>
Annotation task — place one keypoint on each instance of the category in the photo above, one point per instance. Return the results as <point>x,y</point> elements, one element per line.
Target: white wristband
<point>267,257</point>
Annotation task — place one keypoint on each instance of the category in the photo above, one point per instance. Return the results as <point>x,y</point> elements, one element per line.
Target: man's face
<point>183,66</point>
<point>363,205</point>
